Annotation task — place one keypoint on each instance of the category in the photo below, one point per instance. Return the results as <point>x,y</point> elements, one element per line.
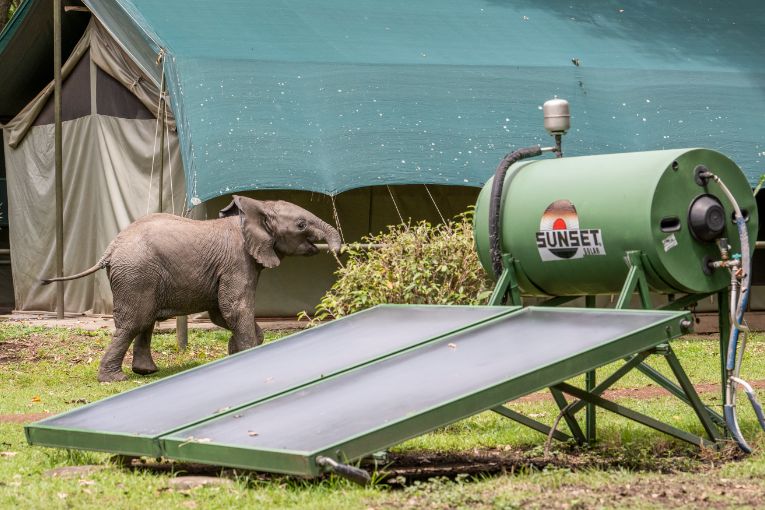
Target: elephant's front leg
<point>235,343</point>
<point>143,363</point>
<point>236,305</point>
<point>245,334</point>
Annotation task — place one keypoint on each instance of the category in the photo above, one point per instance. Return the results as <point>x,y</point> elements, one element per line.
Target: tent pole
<point>161,152</point>
<point>181,322</point>
<point>58,158</point>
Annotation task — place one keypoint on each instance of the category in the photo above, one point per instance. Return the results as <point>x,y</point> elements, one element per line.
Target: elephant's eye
<point>301,225</point>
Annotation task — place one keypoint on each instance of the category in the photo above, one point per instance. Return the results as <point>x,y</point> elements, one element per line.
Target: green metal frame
<point>590,398</point>
<point>180,447</point>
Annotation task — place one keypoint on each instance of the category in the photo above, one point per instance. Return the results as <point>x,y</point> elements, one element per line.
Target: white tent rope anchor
<point>160,59</point>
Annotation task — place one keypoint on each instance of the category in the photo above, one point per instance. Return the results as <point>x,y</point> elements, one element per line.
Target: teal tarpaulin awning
<point>331,95</point>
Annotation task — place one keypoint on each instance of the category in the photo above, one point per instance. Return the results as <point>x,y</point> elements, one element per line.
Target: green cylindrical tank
<point>569,222</point>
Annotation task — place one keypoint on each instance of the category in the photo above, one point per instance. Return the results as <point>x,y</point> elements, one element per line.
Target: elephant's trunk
<point>328,233</point>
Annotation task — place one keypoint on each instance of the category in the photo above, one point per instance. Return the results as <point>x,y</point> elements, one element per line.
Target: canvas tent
<point>349,99</point>
<point>109,129</point>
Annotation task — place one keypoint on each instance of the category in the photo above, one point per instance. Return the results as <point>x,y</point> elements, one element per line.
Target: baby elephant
<point>164,265</point>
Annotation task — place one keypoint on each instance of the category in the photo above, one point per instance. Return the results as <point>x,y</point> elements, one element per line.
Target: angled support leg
<point>529,422</point>
<point>570,419</point>
<point>723,320</point>
<point>634,415</point>
<point>636,280</point>
<point>674,389</point>
<point>612,379</point>
<point>590,380</point>
<point>695,402</point>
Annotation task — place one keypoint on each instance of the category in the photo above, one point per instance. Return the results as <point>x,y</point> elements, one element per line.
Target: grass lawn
<point>52,370</point>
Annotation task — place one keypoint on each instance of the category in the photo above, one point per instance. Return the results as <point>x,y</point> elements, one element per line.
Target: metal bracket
<point>507,285</point>
<point>636,280</point>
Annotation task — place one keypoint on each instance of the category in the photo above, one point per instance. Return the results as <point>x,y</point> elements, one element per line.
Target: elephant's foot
<point>235,345</point>
<point>112,376</point>
<point>143,364</point>
<point>144,367</point>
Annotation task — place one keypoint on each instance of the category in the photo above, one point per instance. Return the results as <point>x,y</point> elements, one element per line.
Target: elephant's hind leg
<point>143,363</point>
<point>110,369</point>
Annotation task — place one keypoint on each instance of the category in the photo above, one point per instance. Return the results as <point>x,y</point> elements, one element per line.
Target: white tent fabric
<point>107,174</point>
<point>107,55</point>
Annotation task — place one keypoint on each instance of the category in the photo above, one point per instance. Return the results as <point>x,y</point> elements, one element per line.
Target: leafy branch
<point>415,264</point>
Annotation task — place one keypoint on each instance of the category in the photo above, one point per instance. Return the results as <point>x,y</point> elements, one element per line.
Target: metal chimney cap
<point>557,117</point>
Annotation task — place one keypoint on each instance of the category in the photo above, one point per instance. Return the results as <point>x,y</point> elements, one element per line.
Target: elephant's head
<point>275,229</point>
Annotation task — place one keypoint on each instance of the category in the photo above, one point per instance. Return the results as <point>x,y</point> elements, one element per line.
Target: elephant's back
<point>169,241</point>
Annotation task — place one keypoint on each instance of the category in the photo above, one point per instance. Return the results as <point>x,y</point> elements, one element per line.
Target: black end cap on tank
<point>706,218</point>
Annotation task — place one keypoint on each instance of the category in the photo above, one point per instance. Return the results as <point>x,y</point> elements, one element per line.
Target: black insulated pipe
<point>495,203</point>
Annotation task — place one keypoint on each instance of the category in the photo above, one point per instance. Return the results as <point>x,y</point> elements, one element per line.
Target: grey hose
<point>737,340</point>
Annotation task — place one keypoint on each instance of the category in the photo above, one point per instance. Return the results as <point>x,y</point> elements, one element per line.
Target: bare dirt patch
<point>22,418</point>
<point>404,468</point>
<point>38,347</point>
<point>13,351</point>
<point>433,486</point>
<point>670,492</point>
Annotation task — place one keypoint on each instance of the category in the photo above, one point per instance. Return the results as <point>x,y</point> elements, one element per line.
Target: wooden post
<point>57,141</point>
<point>182,331</point>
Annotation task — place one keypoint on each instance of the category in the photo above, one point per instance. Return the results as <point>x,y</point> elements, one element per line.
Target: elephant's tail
<point>100,265</point>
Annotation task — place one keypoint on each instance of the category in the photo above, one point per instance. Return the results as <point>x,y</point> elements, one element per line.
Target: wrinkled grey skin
<point>162,266</point>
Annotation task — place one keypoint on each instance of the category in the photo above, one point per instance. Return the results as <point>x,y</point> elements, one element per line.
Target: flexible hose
<point>495,203</point>
<point>735,355</point>
<point>729,412</point>
<point>750,393</point>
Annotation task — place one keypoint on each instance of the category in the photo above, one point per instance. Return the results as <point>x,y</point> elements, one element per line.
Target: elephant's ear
<point>230,210</point>
<point>257,221</point>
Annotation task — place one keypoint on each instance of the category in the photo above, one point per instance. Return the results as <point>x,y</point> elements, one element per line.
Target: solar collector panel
<point>258,373</point>
<point>374,396</point>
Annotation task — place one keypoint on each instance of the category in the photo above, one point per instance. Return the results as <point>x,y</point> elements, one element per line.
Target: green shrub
<point>414,263</point>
